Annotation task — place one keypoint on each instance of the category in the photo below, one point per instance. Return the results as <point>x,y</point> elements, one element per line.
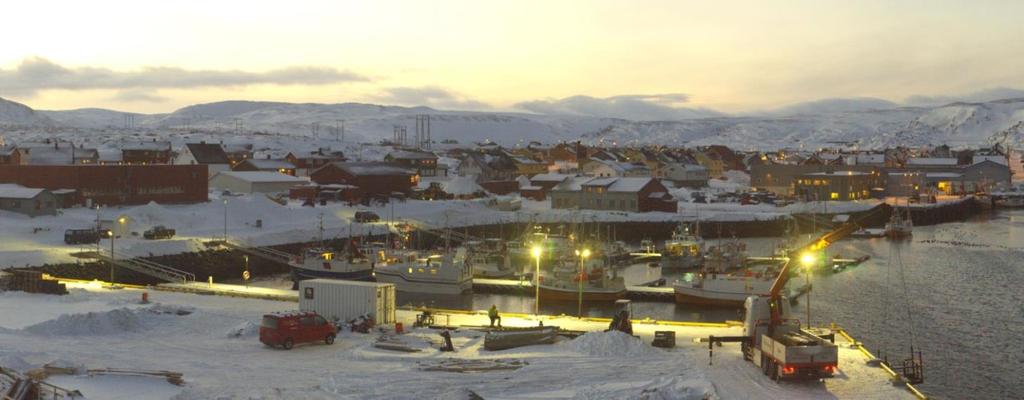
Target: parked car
<point>291,328</point>
<point>366,216</point>
<point>85,236</point>
<point>158,232</point>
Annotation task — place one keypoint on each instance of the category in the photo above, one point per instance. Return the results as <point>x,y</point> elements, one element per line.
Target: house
<point>211,155</point>
<point>607,168</point>
<point>13,155</point>
<point>835,185</point>
<point>631,194</point>
<point>115,184</point>
<point>538,186</point>
<point>266,165</point>
<point>423,162</point>
<point>29,201</point>
<point>688,175</point>
<point>731,161</point>
<point>306,163</point>
<point>56,152</point>
<point>711,162</point>
<point>143,153</point>
<point>373,178</point>
<point>254,182</point>
<point>494,170</point>
<point>237,152</point>
<point>526,166</point>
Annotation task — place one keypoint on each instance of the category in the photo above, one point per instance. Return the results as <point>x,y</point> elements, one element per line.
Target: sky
<point>646,59</point>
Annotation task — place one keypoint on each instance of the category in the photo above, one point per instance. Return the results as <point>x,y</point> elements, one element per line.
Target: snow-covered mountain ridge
<point>955,124</point>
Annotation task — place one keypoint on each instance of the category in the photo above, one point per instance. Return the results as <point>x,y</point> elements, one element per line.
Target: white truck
<point>342,301</point>
<point>785,352</point>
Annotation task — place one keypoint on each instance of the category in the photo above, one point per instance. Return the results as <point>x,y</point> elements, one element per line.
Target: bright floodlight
<point>586,253</point>
<point>121,220</point>
<point>807,259</point>
<point>536,251</point>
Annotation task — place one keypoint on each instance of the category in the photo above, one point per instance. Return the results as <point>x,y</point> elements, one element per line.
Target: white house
<point>210,154</point>
<point>690,175</point>
<point>606,168</point>
<point>255,181</point>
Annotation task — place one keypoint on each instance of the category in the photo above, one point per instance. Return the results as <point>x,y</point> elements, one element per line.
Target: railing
<point>146,267</point>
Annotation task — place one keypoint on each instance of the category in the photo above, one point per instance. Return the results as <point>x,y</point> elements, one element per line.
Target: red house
<point>372,178</point>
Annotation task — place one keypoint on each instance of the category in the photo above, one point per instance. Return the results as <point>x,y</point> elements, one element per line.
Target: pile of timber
<point>33,282</point>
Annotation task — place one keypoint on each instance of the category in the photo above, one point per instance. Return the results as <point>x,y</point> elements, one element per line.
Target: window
<point>308,293</point>
<point>320,320</point>
<point>835,196</point>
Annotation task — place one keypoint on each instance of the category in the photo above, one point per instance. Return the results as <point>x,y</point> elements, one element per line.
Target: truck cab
<point>788,352</point>
<point>290,328</point>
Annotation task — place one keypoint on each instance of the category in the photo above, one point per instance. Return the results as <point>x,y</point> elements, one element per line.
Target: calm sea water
<point>956,291</point>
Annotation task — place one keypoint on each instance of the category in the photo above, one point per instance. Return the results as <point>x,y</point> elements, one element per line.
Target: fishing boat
<point>447,273</point>
<point>899,227</point>
<point>725,257</point>
<point>489,259</point>
<point>685,250</point>
<point>597,282</point>
<point>323,262</point>
<point>727,290</point>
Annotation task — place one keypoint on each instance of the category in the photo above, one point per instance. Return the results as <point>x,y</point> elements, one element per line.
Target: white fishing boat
<point>899,227</point>
<point>597,282</point>
<point>489,259</point>
<point>725,257</point>
<point>323,262</point>
<point>685,250</point>
<point>436,273</point>
<point>729,290</point>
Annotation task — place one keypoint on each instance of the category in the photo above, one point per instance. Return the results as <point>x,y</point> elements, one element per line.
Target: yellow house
<point>709,161</point>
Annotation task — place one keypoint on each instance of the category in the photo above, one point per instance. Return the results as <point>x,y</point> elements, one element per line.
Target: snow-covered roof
<point>159,145</point>
<point>461,185</point>
<point>260,176</point>
<point>861,159</point>
<point>550,177</point>
<point>838,173</point>
<point>411,155</point>
<point>623,184</point>
<point>270,164</point>
<point>1001,160</point>
<point>373,168</point>
<point>12,191</point>
<point>943,175</point>
<point>932,161</point>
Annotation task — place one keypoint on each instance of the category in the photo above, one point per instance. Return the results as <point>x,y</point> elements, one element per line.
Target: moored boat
<point>437,273</point>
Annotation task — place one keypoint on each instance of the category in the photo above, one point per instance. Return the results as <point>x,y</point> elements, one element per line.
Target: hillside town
<point>43,177</point>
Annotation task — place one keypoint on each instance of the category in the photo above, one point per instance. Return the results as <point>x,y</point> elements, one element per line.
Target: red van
<point>287,329</point>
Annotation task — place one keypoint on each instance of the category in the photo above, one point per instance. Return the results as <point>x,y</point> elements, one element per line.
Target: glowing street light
<point>536,251</point>
<point>579,302</point>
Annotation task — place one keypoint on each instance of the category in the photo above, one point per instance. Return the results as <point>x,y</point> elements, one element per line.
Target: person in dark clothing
<point>493,315</point>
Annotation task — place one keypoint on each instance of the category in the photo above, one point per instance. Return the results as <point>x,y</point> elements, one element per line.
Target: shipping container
<point>339,300</point>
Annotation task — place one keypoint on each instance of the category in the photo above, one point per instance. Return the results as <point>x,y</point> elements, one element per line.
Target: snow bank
<point>244,330</point>
<point>665,388</point>
<point>121,320</point>
<point>611,344</point>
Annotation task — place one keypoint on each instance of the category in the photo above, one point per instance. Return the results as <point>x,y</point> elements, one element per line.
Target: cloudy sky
<point>635,59</point>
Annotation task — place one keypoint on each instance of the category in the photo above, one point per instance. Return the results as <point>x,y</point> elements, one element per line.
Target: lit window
<point>835,196</point>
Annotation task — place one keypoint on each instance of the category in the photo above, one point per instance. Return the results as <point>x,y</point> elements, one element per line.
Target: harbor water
<point>954,291</point>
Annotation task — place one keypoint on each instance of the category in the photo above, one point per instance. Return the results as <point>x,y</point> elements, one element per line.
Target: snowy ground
<point>215,346</point>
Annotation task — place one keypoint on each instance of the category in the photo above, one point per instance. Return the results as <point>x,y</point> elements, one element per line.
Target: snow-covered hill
<point>866,123</point>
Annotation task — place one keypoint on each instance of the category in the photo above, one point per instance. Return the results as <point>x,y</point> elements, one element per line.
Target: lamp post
<point>225,221</point>
<point>120,222</point>
<point>536,280</point>
<point>808,259</point>
<point>579,301</point>
<point>245,275</point>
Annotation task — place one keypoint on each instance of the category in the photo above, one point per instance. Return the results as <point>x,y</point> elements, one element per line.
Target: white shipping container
<point>344,300</point>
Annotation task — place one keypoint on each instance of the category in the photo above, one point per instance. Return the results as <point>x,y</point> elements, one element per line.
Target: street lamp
<point>120,221</point>
<point>579,302</point>
<point>536,251</point>
<point>225,221</point>
<point>808,260</point>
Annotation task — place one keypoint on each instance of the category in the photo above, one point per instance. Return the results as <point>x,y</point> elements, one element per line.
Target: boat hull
<point>299,274</point>
<point>559,294</point>
<point>403,284</point>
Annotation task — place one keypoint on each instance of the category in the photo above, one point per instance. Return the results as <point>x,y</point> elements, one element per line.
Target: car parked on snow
<point>366,216</point>
<point>158,232</point>
<point>290,328</point>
